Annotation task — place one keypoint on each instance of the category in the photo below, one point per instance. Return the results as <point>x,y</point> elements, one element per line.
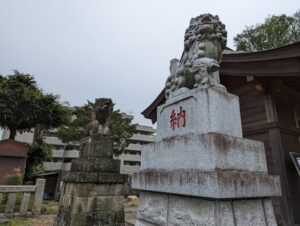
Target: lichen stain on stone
<point>181,218</point>
<point>199,179</point>
<point>222,142</point>
<point>91,218</point>
<point>79,210</point>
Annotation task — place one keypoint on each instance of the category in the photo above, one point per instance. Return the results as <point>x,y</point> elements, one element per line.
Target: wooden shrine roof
<point>283,62</point>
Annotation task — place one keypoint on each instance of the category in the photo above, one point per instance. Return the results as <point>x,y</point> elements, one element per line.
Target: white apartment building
<point>63,154</point>
<point>131,158</point>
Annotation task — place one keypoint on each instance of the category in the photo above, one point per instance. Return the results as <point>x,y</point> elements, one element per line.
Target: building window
<point>132,163</point>
<point>143,133</point>
<point>130,152</point>
<point>72,147</point>
<point>134,142</point>
<point>67,160</point>
<point>57,160</point>
<point>50,134</point>
<point>58,147</point>
<point>143,142</point>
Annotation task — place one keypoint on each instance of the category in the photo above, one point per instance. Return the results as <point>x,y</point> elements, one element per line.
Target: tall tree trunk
<point>38,132</point>
<point>12,133</point>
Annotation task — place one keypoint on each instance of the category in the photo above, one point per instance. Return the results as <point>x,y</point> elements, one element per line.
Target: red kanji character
<point>180,115</point>
<point>173,120</point>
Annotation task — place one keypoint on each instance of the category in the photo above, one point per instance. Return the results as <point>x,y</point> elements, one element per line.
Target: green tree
<point>24,106</point>
<point>39,152</point>
<point>276,31</point>
<point>121,130</point>
<point>120,127</point>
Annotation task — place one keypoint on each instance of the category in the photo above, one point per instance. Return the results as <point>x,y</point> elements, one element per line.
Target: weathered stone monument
<point>201,171</point>
<point>93,191</point>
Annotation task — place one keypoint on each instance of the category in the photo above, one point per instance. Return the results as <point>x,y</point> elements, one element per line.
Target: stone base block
<point>89,189</point>
<point>106,211</point>
<point>96,165</point>
<point>213,185</point>
<point>207,152</point>
<point>206,110</point>
<point>89,177</point>
<point>158,209</point>
<point>91,204</point>
<point>97,146</point>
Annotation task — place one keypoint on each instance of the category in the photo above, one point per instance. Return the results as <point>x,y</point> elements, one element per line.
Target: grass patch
<point>16,222</point>
<point>18,202</point>
<point>49,207</point>
<point>48,210</point>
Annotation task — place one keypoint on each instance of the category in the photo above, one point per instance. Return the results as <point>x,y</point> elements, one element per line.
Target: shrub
<point>14,178</point>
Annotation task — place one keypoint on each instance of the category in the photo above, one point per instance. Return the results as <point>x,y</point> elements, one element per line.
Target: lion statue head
<point>204,42</point>
<point>101,113</point>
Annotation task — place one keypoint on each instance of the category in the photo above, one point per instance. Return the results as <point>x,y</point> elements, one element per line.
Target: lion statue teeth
<point>204,41</point>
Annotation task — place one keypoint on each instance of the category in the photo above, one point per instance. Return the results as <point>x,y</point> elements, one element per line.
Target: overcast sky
<point>84,49</point>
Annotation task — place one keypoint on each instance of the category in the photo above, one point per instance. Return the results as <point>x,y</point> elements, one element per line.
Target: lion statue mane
<point>204,41</point>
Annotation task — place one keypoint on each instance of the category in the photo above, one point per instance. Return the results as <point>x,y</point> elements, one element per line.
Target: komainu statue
<point>204,41</point>
<point>101,113</point>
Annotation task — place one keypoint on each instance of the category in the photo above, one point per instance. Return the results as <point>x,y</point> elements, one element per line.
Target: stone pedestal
<point>93,191</point>
<point>201,171</point>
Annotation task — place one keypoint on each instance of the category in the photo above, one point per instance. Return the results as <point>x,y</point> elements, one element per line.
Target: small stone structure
<point>93,191</point>
<point>201,171</point>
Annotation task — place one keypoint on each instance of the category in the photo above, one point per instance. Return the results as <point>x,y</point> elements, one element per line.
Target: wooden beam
<point>271,109</point>
<point>274,68</point>
<point>288,51</point>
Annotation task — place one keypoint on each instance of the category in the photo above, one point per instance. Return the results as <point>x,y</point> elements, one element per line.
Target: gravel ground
<point>43,220</point>
<point>48,219</point>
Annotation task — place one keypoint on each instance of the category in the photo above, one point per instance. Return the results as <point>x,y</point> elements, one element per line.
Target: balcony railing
<point>128,157</point>
<point>143,138</point>
<point>134,147</point>
<point>52,166</point>
<point>71,154</point>
<point>126,169</point>
<point>57,153</point>
<point>54,141</point>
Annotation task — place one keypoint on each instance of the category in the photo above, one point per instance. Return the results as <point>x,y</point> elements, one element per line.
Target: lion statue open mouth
<point>204,41</point>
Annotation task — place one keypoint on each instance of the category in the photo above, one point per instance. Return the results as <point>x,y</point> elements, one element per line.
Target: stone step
<point>100,146</point>
<point>206,152</point>
<point>99,178</point>
<point>167,209</point>
<point>210,184</point>
<point>200,110</point>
